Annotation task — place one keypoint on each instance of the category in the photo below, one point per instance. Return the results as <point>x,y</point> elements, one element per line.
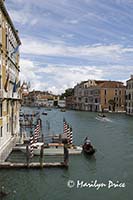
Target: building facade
<point>10,93</point>
<point>98,95</point>
<point>129,96</point>
<point>87,96</point>
<point>112,96</point>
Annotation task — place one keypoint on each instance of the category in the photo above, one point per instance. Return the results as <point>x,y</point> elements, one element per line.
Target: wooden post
<point>41,156</point>
<point>42,138</point>
<point>27,155</point>
<point>66,153</point>
<point>60,138</point>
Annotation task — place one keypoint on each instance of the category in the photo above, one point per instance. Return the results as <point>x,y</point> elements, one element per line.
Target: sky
<point>65,42</point>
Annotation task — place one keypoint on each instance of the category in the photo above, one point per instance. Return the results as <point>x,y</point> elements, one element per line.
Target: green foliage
<point>68,92</point>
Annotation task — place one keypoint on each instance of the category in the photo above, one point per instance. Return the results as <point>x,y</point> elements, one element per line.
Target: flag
<point>15,50</point>
<point>18,84</point>
<point>6,83</point>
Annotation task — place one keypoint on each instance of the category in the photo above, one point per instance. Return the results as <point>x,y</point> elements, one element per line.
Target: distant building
<point>62,103</point>
<point>129,96</point>
<point>25,88</point>
<point>98,95</point>
<point>70,102</point>
<point>112,96</point>
<point>9,83</point>
<point>87,96</point>
<point>39,98</point>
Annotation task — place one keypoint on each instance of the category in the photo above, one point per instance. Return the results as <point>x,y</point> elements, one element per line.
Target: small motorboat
<point>87,147</point>
<point>44,113</point>
<point>101,115</point>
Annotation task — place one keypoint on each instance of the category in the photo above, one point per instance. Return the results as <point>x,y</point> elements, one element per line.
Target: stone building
<point>9,83</point>
<point>99,95</point>
<point>112,96</point>
<point>129,96</point>
<point>87,96</point>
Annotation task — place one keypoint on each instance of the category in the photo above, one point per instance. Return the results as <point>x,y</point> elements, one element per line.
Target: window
<point>1,132</point>
<point>7,107</point>
<point>105,92</point>
<point>0,109</point>
<point>7,127</point>
<point>86,100</point>
<point>0,78</point>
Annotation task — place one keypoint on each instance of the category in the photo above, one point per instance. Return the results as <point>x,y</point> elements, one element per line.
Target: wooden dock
<point>33,165</point>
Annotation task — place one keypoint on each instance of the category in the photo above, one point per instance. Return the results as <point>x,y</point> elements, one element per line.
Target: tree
<point>112,103</point>
<point>68,92</point>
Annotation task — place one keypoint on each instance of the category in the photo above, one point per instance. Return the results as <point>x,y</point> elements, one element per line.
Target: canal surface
<point>113,161</point>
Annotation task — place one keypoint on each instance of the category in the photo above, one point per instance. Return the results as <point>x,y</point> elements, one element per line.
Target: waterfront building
<point>112,96</point>
<point>39,98</point>
<point>61,103</point>
<point>87,96</point>
<point>10,93</point>
<point>99,95</point>
<point>70,102</point>
<point>129,96</point>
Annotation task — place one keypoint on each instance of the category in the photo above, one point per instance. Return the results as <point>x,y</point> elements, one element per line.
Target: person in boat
<point>87,142</point>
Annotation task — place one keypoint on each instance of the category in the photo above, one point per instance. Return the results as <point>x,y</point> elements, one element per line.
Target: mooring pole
<point>27,155</point>
<point>41,156</point>
<point>66,153</point>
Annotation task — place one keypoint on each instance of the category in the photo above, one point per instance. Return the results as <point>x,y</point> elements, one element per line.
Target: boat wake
<point>103,119</point>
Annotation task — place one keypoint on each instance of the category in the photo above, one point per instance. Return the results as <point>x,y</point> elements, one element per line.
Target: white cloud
<point>56,78</point>
<point>23,17</point>
<point>37,47</point>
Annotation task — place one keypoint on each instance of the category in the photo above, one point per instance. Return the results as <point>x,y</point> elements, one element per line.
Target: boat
<point>87,147</point>
<point>51,149</point>
<point>44,113</point>
<point>101,115</point>
<point>103,118</point>
<point>48,109</point>
<point>63,110</point>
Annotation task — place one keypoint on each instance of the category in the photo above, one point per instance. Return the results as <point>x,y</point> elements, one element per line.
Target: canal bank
<point>113,161</point>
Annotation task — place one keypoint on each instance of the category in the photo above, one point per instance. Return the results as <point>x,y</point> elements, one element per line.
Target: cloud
<point>56,78</point>
<point>38,47</point>
<point>23,16</point>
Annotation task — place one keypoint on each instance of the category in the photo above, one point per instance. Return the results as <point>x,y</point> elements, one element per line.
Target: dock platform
<point>33,165</point>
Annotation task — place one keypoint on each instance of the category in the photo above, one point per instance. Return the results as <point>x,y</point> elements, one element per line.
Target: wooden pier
<point>33,165</point>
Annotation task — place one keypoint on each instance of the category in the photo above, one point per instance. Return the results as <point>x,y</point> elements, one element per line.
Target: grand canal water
<point>113,161</point>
